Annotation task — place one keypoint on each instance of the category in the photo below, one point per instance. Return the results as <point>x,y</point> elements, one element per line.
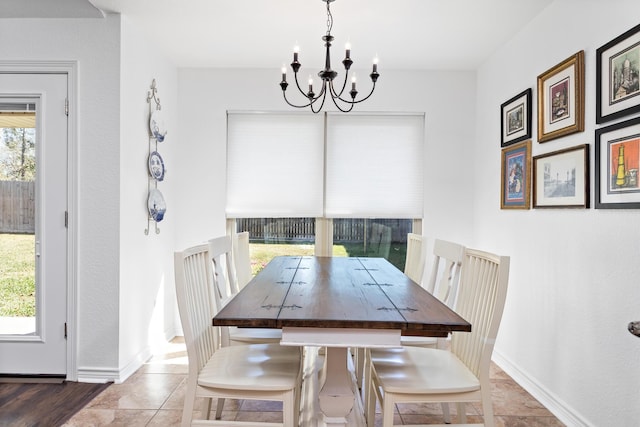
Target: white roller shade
<point>374,166</point>
<point>274,165</point>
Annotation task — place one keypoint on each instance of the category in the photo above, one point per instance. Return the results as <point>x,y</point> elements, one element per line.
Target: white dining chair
<point>254,372</point>
<point>226,286</point>
<point>242,258</point>
<point>414,269</point>
<point>415,257</point>
<point>461,375</point>
<point>443,284</point>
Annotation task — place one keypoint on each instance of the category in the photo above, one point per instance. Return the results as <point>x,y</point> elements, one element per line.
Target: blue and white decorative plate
<point>156,205</point>
<point>156,126</point>
<point>156,166</point>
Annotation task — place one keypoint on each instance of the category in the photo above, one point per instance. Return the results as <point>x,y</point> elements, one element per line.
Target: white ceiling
<point>404,34</point>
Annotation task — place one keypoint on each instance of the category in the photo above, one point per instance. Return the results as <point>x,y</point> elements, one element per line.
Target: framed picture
<point>561,178</point>
<point>617,73</point>
<point>515,119</point>
<point>617,163</point>
<point>515,178</point>
<point>561,99</point>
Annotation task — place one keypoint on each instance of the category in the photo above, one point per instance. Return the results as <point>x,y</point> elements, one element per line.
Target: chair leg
<point>367,390</point>
<point>446,413</point>
<point>462,412</point>
<point>387,410</point>
<point>359,356</point>
<point>289,409</point>
<point>487,407</point>
<point>219,407</point>
<point>206,408</point>
<point>189,404</point>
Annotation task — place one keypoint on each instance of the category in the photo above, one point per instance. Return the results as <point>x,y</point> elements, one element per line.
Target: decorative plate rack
<point>156,206</point>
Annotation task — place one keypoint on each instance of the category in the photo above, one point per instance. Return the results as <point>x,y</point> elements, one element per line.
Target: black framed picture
<point>515,119</point>
<point>617,73</point>
<point>617,162</point>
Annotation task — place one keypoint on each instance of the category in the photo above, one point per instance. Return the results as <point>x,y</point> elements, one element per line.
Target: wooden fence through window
<point>299,230</point>
<point>17,207</point>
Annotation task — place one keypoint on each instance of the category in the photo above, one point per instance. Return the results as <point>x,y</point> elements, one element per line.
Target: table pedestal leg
<point>336,394</point>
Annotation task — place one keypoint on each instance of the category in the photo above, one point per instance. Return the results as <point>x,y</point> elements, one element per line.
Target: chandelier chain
<point>329,20</point>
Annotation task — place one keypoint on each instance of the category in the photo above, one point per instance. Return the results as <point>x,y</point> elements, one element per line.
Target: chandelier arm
<point>324,97</point>
<point>335,101</point>
<point>344,85</point>
<point>294,105</point>
<point>351,104</point>
<point>315,98</point>
<point>311,100</point>
<point>295,75</point>
<point>360,100</point>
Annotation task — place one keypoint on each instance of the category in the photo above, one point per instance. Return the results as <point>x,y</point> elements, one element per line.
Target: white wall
<point>447,98</point>
<point>574,273</point>
<point>126,301</point>
<point>147,298</point>
<point>95,44</point>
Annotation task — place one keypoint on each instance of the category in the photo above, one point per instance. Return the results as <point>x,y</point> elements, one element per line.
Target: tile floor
<point>153,396</point>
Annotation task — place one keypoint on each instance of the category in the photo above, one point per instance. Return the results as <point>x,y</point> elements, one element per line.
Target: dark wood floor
<point>43,405</point>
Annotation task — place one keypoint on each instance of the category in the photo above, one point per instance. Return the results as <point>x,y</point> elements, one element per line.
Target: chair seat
<point>255,335</point>
<point>260,367</point>
<point>421,370</point>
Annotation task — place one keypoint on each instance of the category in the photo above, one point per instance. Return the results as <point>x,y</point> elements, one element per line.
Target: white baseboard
<point>553,403</point>
<point>118,376</point>
<point>97,375</point>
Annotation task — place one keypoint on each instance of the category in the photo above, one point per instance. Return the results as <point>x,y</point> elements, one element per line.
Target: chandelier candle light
<point>327,75</point>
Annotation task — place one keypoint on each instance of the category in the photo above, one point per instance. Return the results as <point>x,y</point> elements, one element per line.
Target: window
<point>274,165</point>
<point>356,172</point>
<point>374,166</point>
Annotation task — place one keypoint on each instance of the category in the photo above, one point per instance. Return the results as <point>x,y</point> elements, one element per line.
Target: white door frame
<point>71,69</point>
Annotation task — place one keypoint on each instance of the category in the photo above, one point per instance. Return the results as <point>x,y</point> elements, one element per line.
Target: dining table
<point>338,303</point>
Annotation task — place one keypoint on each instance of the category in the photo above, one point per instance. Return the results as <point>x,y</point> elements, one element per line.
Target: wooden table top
<point>338,292</point>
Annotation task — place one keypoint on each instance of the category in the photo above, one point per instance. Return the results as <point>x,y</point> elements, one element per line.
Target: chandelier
<point>327,76</point>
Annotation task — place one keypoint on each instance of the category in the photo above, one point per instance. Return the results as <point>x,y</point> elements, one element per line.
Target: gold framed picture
<point>515,178</point>
<point>561,99</point>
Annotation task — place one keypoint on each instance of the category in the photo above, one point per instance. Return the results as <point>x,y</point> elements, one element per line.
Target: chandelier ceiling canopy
<point>327,76</point>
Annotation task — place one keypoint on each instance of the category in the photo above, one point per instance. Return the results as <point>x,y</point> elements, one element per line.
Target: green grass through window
<point>262,253</point>
<point>17,275</point>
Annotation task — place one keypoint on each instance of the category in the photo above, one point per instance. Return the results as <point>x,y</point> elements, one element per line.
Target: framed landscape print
<point>515,119</point>
<point>617,73</point>
<point>617,163</point>
<point>515,181</point>
<point>561,178</point>
<point>561,99</point>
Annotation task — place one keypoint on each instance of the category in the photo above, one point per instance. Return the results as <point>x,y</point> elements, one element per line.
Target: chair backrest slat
<point>224,277</point>
<point>481,297</point>
<point>224,271</point>
<point>196,303</point>
<point>242,258</point>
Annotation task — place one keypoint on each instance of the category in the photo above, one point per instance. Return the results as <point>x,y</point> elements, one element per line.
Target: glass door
<point>33,230</point>
<point>17,219</point>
